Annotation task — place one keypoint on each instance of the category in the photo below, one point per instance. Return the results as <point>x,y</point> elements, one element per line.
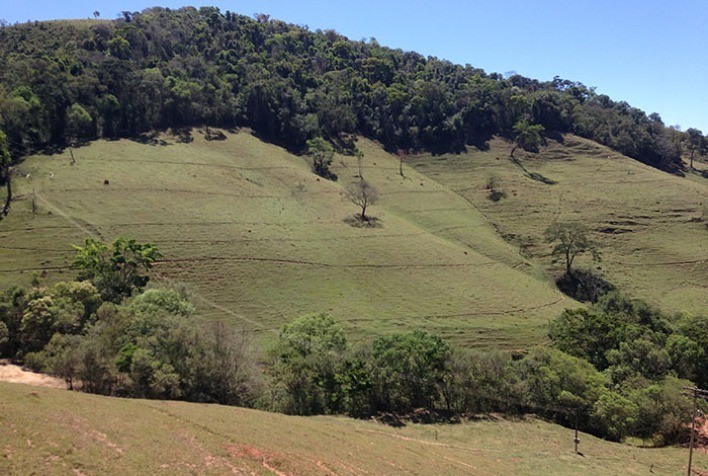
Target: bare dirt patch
<point>15,374</point>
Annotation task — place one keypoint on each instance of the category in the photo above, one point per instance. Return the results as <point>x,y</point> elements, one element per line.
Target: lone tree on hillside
<point>5,175</point>
<point>360,162</point>
<point>697,143</point>
<point>527,136</point>
<point>401,157</point>
<point>571,240</point>
<point>362,194</point>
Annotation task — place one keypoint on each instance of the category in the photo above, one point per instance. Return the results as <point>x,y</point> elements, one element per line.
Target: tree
<point>308,359</point>
<point>409,370</point>
<point>401,156</point>
<point>527,136</point>
<point>362,194</point>
<point>696,143</point>
<point>322,154</point>
<point>360,162</point>
<point>117,269</point>
<point>614,415</point>
<point>571,240</point>
<point>5,175</point>
<point>4,334</point>
<point>78,123</point>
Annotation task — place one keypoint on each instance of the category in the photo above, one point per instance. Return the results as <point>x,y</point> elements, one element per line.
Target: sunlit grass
<point>260,240</point>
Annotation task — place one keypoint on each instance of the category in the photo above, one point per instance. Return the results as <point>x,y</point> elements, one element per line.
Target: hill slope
<point>51,431</point>
<point>650,225</point>
<point>260,239</point>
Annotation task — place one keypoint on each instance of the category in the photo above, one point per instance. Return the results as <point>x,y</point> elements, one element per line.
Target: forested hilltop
<point>62,82</point>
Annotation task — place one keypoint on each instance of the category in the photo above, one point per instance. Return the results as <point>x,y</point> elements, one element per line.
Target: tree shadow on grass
<point>152,138</point>
<point>357,222</point>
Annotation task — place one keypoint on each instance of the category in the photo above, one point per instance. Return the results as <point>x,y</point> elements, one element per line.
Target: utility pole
<point>696,393</point>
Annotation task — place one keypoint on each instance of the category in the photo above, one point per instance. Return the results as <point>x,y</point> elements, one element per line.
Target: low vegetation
<point>613,369</point>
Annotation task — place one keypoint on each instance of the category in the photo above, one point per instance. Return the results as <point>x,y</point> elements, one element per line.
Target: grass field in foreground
<point>260,239</point>
<point>48,431</point>
<point>651,225</point>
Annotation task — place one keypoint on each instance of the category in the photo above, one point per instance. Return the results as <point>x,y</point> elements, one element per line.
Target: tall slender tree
<point>5,176</point>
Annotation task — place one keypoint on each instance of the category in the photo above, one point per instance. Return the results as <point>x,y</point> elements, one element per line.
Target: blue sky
<point>650,53</point>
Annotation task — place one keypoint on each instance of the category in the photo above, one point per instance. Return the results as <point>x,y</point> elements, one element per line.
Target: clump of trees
<point>613,369</point>
<point>113,338</point>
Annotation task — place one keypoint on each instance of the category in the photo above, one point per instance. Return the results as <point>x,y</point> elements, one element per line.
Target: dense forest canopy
<point>63,82</point>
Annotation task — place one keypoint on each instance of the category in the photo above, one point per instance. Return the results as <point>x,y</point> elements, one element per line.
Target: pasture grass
<point>50,431</point>
<point>651,225</point>
<point>259,239</point>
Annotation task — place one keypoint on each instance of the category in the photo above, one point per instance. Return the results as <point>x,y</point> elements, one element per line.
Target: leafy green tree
<point>117,270</point>
<point>79,123</point>
<point>39,323</point>
<point>586,334</point>
<point>61,357</point>
<point>322,154</point>
<point>615,416</point>
<point>81,296</point>
<point>696,143</point>
<point>308,356</point>
<point>527,136</point>
<point>552,379</point>
<point>5,176</point>
<point>4,334</point>
<point>409,370</point>
<point>12,306</point>
<point>640,356</point>
<point>571,240</point>
<point>695,328</point>
<point>685,356</point>
<point>165,300</point>
<point>152,377</point>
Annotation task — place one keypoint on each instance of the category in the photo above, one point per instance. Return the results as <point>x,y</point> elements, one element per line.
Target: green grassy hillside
<point>651,225</point>
<point>48,431</point>
<point>260,239</point>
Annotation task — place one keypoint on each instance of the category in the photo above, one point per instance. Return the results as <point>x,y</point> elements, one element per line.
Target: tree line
<point>615,369</point>
<point>66,82</point>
